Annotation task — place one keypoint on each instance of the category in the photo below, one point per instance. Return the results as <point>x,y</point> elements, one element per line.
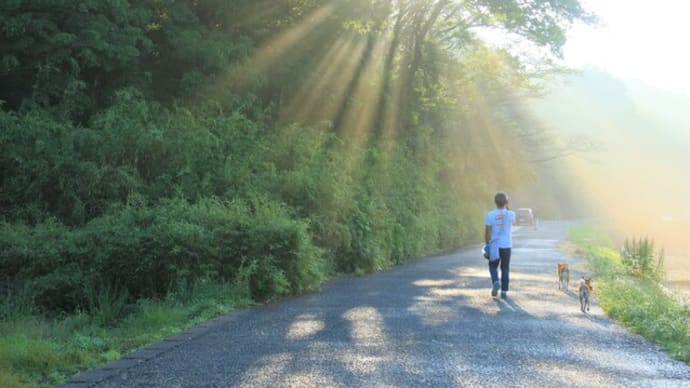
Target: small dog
<point>563,276</point>
<point>584,289</point>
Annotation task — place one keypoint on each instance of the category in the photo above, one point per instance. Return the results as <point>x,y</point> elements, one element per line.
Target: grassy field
<point>36,351</point>
<point>641,303</point>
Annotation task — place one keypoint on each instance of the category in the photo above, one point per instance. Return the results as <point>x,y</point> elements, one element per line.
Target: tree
<point>68,55</point>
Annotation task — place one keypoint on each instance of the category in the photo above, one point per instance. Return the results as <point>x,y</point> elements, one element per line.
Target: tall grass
<point>642,260</point>
<point>36,351</point>
<point>636,299</point>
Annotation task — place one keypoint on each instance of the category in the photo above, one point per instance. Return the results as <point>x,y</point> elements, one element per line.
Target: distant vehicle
<point>524,216</point>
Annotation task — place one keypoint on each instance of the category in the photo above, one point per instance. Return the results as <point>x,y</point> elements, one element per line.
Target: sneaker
<point>494,289</point>
<point>504,294</point>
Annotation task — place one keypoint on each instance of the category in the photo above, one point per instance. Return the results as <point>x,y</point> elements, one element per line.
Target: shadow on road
<point>431,322</point>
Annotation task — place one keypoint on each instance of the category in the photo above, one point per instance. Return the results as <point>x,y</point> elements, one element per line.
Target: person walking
<point>498,236</point>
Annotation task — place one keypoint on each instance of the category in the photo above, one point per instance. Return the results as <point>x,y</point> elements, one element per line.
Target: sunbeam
<point>359,118</point>
<point>271,52</point>
<point>334,72</point>
<point>277,47</point>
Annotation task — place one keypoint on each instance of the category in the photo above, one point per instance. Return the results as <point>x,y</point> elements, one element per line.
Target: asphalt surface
<point>430,323</point>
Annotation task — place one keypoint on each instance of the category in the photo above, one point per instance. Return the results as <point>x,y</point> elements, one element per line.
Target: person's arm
<point>487,234</point>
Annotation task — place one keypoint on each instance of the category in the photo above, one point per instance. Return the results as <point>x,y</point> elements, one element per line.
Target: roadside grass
<point>37,351</point>
<point>642,304</point>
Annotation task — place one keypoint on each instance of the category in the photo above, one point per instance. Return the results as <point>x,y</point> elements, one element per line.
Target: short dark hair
<point>501,198</point>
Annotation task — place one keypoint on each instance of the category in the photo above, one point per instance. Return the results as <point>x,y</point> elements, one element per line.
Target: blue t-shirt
<point>501,223</point>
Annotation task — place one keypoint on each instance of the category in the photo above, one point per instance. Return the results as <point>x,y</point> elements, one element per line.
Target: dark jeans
<point>504,261</point>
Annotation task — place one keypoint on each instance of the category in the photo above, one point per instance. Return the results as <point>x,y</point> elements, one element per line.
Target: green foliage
<point>134,196</point>
<point>640,259</point>
<point>25,355</point>
<point>36,351</point>
<point>71,56</point>
<point>106,305</point>
<point>52,168</point>
<point>67,54</point>
<point>145,251</point>
<point>174,150</point>
<point>367,219</point>
<point>631,292</point>
<point>646,308</point>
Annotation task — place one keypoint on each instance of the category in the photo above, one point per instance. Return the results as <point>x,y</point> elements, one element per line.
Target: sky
<point>643,40</point>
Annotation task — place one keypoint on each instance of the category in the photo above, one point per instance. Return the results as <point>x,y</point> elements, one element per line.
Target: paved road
<point>431,323</point>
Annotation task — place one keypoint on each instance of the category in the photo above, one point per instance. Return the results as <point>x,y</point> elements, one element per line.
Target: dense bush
<point>369,207</point>
<point>146,251</point>
<point>146,198</point>
<point>127,204</point>
<point>51,168</point>
<point>36,268</point>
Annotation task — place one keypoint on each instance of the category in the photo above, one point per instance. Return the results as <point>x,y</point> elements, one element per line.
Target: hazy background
<point>635,39</point>
<point>632,168</point>
<point>621,128</point>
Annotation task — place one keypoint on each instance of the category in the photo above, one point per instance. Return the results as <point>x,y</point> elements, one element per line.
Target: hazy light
<point>366,99</point>
<point>640,39</point>
<point>273,50</point>
<point>637,183</point>
<point>325,91</point>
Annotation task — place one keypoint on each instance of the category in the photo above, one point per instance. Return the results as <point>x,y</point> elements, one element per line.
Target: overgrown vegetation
<point>641,260</point>
<point>35,351</point>
<point>632,292</point>
<point>252,146</point>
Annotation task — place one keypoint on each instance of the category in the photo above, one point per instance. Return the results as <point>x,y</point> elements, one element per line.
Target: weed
<point>36,350</point>
<point>106,304</point>
<point>641,260</point>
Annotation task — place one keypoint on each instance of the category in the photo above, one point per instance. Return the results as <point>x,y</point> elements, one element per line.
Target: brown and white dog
<point>563,272</point>
<point>584,289</point>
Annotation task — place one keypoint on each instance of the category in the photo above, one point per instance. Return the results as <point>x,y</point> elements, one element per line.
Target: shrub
<point>140,251</point>
<point>641,260</point>
<point>50,168</point>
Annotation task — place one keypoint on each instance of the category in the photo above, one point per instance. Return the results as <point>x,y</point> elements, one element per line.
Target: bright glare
<point>638,180</point>
<point>644,40</point>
